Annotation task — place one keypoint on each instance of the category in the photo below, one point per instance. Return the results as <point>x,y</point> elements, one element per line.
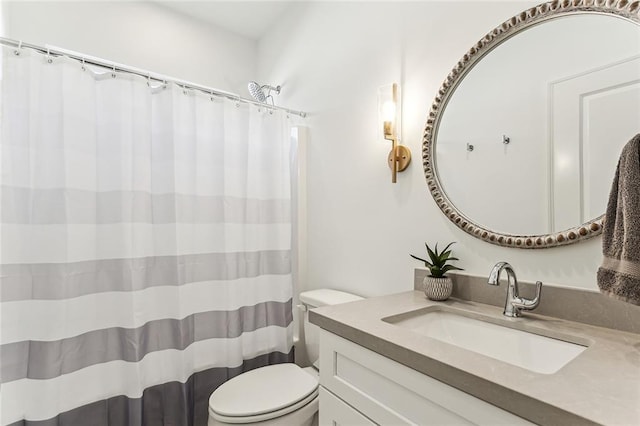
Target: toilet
<point>280,394</point>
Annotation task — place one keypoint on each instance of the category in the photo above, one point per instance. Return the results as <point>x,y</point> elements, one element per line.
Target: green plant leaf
<point>436,272</point>
<point>448,268</point>
<point>432,255</point>
<point>426,262</point>
<point>448,245</point>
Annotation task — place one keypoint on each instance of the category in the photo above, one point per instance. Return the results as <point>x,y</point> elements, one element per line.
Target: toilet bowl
<point>280,394</point>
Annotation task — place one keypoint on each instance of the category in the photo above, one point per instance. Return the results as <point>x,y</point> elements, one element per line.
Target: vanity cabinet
<point>361,387</point>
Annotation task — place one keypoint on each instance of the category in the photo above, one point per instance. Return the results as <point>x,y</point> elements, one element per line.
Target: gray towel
<point>619,275</point>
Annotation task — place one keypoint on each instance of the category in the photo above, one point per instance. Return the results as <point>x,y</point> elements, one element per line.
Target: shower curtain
<point>146,245</point>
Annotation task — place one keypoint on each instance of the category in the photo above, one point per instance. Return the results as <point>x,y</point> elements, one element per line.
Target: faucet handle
<point>528,304</point>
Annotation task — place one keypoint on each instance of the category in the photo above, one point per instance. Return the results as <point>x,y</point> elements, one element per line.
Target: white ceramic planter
<point>437,288</point>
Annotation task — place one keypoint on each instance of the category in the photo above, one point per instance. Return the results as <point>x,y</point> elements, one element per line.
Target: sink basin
<point>531,351</point>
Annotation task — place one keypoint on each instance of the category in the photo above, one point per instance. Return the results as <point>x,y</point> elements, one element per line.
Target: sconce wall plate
<point>402,158</point>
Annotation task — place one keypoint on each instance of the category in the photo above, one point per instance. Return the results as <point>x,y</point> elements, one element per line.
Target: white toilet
<point>281,394</point>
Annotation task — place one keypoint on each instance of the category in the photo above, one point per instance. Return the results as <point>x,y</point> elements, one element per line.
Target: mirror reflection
<point>529,141</point>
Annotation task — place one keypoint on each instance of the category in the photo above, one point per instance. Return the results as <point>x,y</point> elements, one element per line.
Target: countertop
<point>600,386</point>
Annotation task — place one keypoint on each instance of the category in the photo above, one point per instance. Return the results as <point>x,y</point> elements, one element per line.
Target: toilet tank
<point>315,299</point>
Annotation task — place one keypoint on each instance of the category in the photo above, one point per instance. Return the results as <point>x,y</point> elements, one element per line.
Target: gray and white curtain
<point>146,245</point>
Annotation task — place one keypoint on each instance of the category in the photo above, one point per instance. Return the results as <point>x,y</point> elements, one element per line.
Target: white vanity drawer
<point>335,412</point>
<point>390,393</point>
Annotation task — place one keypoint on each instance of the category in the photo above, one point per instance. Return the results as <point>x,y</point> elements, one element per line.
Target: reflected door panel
<point>599,109</point>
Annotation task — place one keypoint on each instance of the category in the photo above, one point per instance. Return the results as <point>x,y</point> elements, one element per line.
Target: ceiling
<point>250,19</point>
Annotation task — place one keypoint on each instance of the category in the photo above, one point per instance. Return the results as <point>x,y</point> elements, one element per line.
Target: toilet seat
<point>266,416</point>
<point>263,394</point>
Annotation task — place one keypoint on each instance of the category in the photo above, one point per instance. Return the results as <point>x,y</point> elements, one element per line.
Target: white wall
<point>3,18</point>
<point>331,58</point>
<point>140,34</point>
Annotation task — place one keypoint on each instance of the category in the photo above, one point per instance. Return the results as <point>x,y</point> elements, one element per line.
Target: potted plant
<point>437,286</point>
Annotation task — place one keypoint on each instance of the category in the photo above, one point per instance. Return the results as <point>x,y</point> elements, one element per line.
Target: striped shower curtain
<point>146,245</point>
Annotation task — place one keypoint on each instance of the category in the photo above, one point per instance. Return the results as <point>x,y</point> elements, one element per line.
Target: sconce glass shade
<point>389,114</point>
<point>389,111</point>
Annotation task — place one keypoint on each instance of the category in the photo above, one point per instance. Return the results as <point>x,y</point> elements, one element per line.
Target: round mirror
<point>523,139</point>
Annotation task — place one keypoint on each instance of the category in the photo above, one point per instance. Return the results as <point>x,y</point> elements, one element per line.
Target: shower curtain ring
<point>113,73</point>
<point>49,60</point>
<point>17,51</point>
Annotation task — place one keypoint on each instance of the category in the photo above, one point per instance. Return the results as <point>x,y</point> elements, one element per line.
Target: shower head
<point>258,92</point>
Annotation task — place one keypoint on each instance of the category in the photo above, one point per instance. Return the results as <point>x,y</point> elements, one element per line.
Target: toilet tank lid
<point>325,296</point>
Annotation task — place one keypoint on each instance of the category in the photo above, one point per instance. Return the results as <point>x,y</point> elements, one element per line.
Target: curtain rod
<point>55,51</point>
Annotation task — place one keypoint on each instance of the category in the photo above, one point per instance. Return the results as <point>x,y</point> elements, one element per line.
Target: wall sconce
<point>389,106</point>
